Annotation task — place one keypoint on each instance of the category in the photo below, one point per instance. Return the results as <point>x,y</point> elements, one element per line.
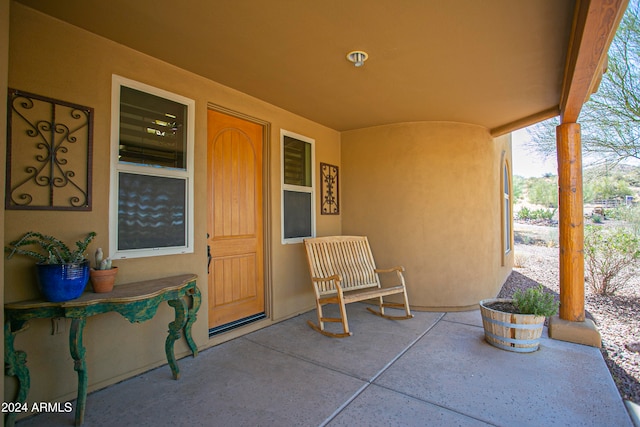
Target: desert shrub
<point>528,214</point>
<point>524,213</point>
<point>609,255</point>
<point>618,213</point>
<point>629,214</point>
<point>519,260</point>
<point>544,213</point>
<point>526,239</point>
<point>606,213</point>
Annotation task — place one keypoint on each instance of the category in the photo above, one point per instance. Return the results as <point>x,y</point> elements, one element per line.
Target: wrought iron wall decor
<point>49,153</point>
<point>329,190</point>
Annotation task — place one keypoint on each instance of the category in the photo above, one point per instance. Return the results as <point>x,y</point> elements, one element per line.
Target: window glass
<point>297,210</point>
<point>507,209</point>
<point>298,207</point>
<point>505,173</point>
<point>151,211</point>
<point>297,162</point>
<point>152,130</point>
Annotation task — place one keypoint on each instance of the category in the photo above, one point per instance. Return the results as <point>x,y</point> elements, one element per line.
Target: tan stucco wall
<point>428,196</point>
<point>54,59</point>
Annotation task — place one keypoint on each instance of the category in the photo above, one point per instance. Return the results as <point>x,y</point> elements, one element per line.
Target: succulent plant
<point>48,249</point>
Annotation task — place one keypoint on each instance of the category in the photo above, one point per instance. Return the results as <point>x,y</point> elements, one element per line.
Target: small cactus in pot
<point>102,263</point>
<point>103,276</point>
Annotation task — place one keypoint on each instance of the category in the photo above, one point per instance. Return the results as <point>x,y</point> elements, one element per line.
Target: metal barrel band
<point>513,325</point>
<point>509,348</point>
<point>512,340</point>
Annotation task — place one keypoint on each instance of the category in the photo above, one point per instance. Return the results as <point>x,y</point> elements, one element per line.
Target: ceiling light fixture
<point>357,57</point>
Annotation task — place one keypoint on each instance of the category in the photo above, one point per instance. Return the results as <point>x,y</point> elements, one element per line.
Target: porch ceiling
<point>499,64</point>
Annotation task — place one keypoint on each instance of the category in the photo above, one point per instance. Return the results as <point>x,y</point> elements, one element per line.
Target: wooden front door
<point>234,219</point>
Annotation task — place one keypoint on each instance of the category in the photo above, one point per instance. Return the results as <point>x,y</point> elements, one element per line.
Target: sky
<point>527,163</point>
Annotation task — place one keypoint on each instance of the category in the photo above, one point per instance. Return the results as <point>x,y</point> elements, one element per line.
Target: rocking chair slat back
<point>349,257</point>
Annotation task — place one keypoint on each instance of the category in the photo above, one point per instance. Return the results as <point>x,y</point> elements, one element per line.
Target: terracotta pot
<point>102,280</point>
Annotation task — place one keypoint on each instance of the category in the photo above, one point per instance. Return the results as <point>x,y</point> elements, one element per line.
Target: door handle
<point>208,256</point>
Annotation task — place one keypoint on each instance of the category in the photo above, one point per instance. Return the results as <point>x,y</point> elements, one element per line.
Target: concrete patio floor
<point>435,369</point>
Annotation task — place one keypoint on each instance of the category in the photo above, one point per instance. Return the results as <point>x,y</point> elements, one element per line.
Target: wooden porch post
<point>571,324</point>
<point>571,225</point>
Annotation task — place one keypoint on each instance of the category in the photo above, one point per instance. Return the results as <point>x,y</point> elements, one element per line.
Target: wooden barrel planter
<point>509,331</point>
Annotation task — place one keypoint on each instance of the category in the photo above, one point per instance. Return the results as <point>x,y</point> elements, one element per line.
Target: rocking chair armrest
<point>399,269</point>
<point>335,277</point>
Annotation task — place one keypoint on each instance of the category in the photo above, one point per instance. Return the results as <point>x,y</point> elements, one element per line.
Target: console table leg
<point>78,352</point>
<point>196,298</point>
<point>180,306</point>
<point>15,365</point>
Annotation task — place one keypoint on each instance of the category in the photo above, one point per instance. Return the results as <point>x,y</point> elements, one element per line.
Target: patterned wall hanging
<point>49,152</point>
<point>329,190</point>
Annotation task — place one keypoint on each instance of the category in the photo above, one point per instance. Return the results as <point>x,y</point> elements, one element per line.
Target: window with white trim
<point>151,201</point>
<point>506,193</point>
<point>298,187</point>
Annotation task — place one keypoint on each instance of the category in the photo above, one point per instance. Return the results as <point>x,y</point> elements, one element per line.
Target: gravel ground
<point>617,317</point>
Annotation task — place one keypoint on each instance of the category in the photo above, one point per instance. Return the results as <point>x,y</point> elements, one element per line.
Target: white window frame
<point>296,188</point>
<point>507,208</point>
<point>159,171</point>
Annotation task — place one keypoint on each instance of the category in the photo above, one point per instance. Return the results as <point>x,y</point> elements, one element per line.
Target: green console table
<point>137,302</point>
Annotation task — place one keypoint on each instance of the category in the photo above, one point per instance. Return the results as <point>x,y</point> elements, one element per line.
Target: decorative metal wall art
<point>329,190</point>
<point>49,153</point>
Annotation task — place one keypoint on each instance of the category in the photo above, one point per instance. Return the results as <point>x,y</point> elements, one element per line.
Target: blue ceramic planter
<point>62,282</point>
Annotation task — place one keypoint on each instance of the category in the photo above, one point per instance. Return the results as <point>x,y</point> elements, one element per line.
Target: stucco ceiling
<point>490,63</point>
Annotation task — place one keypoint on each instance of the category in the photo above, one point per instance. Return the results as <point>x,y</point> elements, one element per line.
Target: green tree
<point>518,187</point>
<point>607,188</point>
<point>608,182</point>
<point>543,191</point>
<point>610,120</point>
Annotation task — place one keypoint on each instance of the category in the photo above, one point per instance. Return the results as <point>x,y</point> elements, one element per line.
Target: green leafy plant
<point>608,254</point>
<point>48,249</point>
<point>535,301</point>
